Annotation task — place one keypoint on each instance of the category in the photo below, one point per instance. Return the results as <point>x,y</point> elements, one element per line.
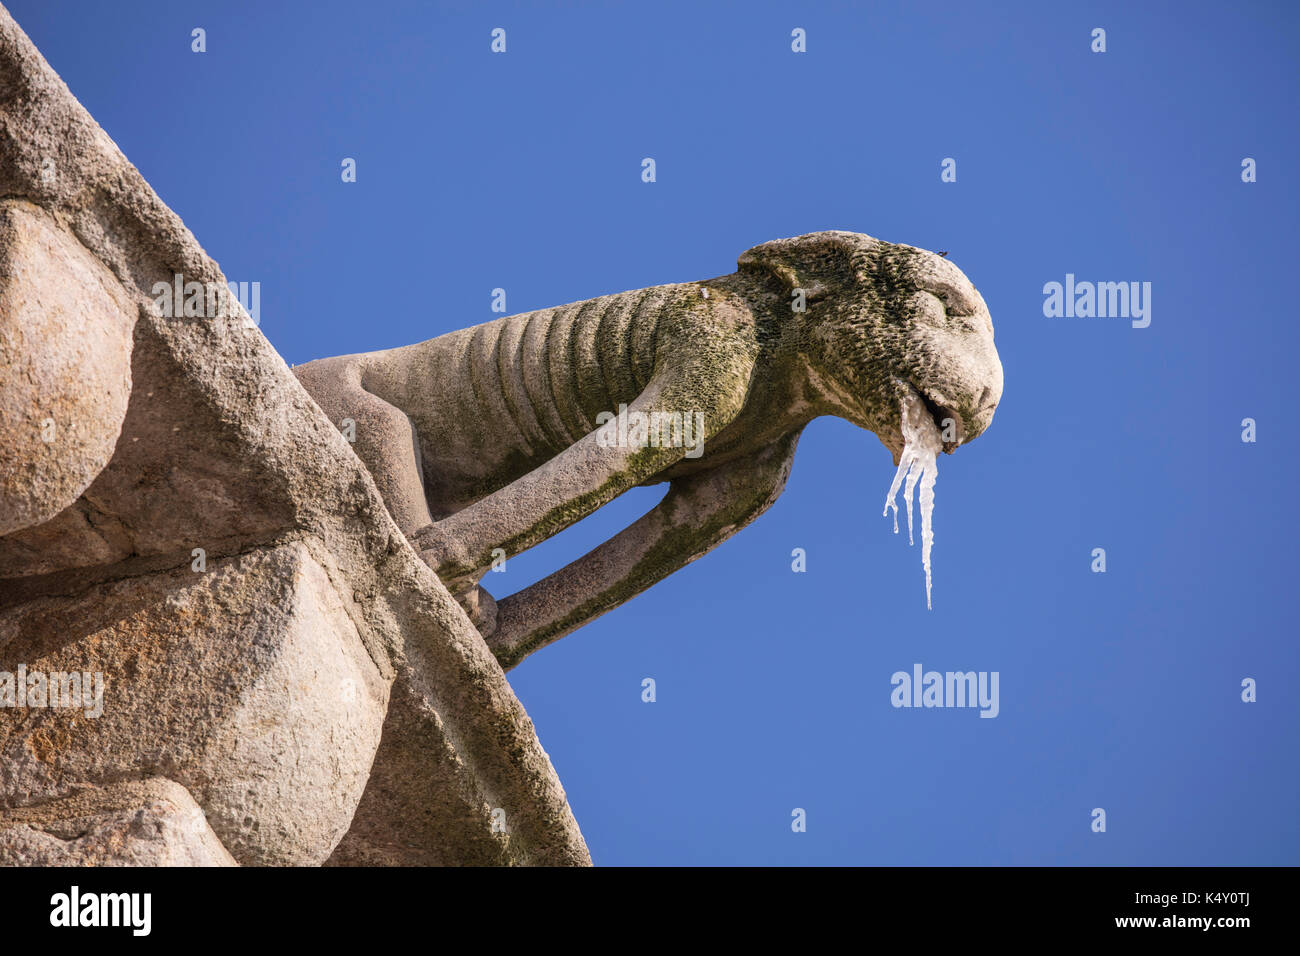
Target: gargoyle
<point>499,436</point>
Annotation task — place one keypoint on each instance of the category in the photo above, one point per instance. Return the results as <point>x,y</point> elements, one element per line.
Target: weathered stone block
<point>146,823</point>
<point>65,365</point>
<point>247,683</point>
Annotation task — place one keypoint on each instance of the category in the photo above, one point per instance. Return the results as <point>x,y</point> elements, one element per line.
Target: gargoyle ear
<point>804,262</point>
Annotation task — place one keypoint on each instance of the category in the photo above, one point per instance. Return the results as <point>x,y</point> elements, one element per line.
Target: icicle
<point>927,520</point>
<point>918,463</point>
<point>904,465</point>
<point>918,468</point>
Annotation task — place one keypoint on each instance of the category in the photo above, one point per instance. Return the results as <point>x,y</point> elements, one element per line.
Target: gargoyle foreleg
<point>696,515</point>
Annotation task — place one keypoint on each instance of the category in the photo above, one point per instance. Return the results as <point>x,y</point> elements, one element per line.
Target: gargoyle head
<point>880,319</point>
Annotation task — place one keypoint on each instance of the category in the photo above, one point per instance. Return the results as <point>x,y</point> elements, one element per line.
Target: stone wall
<point>283,680</point>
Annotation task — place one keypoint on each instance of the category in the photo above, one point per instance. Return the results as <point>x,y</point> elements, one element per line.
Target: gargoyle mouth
<point>947,421</point>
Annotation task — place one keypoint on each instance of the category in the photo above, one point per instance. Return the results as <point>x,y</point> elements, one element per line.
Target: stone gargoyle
<point>222,637</point>
<point>488,440</point>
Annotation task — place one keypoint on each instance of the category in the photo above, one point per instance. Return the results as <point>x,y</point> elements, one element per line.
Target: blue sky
<point>1119,690</point>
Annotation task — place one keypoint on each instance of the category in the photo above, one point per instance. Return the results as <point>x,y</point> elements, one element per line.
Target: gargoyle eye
<point>955,303</point>
<point>813,292</point>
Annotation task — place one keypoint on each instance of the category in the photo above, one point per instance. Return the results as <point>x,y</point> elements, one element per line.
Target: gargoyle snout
<point>987,392</point>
